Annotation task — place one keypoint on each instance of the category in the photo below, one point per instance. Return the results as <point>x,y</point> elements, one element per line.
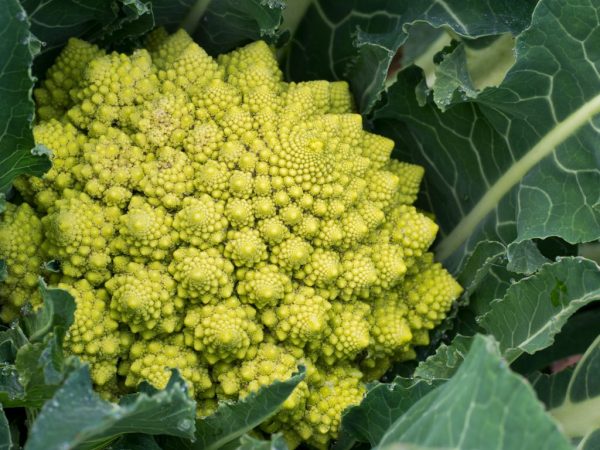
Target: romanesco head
<point>210,217</point>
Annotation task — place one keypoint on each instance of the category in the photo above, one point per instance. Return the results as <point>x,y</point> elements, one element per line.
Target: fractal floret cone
<point>208,216</point>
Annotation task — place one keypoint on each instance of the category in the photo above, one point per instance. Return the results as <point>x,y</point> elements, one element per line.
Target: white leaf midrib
<point>545,146</point>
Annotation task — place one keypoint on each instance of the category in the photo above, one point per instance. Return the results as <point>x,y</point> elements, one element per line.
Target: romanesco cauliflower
<point>211,217</point>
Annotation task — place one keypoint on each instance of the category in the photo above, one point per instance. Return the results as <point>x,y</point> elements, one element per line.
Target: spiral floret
<point>167,178</point>
<point>143,298</point>
<point>429,293</point>
<point>111,167</point>
<point>223,332</point>
<point>300,317</point>
<point>245,248</point>
<point>270,363</point>
<point>151,360</point>
<point>263,286</point>
<point>203,276</point>
<point>339,388</point>
<point>54,96</point>
<point>145,232</point>
<point>95,336</point>
<point>77,232</point>
<point>111,88</point>
<point>412,230</point>
<point>65,143</point>
<point>348,332</point>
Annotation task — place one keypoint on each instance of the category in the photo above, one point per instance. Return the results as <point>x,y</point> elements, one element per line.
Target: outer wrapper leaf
<point>534,309</point>
<point>446,360</point>
<point>574,338</point>
<point>483,403</point>
<point>17,50</point>
<point>107,22</point>
<point>6,441</point>
<point>55,314</point>
<point>536,125</point>
<point>277,442</point>
<point>76,417</point>
<point>381,407</point>
<point>573,397</point>
<point>232,420</point>
<point>34,364</point>
<point>358,41</point>
<point>134,442</point>
<point>228,24</point>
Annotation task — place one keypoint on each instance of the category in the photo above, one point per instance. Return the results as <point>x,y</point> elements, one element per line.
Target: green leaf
<point>34,365</point>
<point>17,49</point>
<point>573,396</point>
<point>590,442</point>
<point>232,420</point>
<point>574,338</point>
<point>56,313</point>
<point>6,442</point>
<point>134,442</point>
<point>382,406</point>
<point>171,13</point>
<point>107,22</point>
<point>446,360</point>
<point>525,257</point>
<point>3,272</point>
<point>358,42</point>
<point>76,417</point>
<point>452,79</point>
<point>534,309</point>
<point>277,442</point>
<point>530,175</point>
<point>228,24</point>
<point>11,340</point>
<point>11,390</point>
<point>483,403</point>
<point>41,367</point>
<point>135,18</point>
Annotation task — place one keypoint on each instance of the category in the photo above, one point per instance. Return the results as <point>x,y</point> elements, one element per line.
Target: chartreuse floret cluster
<point>208,216</point>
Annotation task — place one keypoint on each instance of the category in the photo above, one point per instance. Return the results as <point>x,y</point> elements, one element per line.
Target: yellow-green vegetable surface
<point>211,217</point>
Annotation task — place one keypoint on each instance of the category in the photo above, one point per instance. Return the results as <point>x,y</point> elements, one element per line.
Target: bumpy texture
<point>208,216</point>
<point>20,238</point>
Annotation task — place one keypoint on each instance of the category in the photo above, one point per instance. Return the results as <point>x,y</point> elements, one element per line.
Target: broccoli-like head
<point>209,216</point>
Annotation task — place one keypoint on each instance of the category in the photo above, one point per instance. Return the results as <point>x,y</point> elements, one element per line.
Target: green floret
<point>300,317</point>
<point>152,360</point>
<point>110,90</point>
<point>65,143</point>
<point>145,231</point>
<point>266,285</point>
<point>201,222</point>
<point>347,335</point>
<point>78,232</point>
<point>54,96</point>
<point>223,332</point>
<point>20,238</point>
<point>94,336</point>
<point>336,389</point>
<point>143,299</point>
<point>210,217</point>
<point>203,276</point>
<point>110,167</point>
<point>245,248</point>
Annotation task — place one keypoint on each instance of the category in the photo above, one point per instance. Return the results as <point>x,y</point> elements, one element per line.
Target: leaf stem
<point>190,23</point>
<point>556,136</point>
